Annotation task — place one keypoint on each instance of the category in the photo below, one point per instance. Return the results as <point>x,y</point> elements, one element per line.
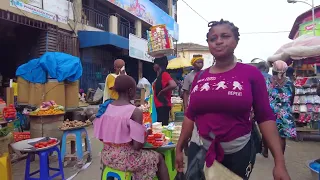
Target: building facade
<point>187,50</point>
<point>95,30</point>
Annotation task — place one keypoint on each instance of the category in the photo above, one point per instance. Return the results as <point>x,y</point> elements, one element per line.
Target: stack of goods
<point>2,106</point>
<point>9,113</point>
<point>144,107</point>
<point>147,121</point>
<point>177,109</point>
<point>176,100</point>
<point>157,139</point>
<point>306,102</point>
<point>157,127</point>
<point>159,41</point>
<point>66,125</point>
<point>176,133</point>
<point>48,108</point>
<point>20,136</point>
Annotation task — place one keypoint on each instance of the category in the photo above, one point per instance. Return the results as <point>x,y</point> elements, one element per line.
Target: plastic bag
<point>180,176</point>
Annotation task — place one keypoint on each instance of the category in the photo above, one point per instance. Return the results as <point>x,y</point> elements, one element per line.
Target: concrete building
<point>95,30</point>
<point>187,50</point>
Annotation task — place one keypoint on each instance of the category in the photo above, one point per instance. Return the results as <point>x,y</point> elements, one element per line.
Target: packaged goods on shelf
<point>159,41</point>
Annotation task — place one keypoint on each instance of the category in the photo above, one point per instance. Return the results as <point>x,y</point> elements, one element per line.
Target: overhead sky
<point>249,16</point>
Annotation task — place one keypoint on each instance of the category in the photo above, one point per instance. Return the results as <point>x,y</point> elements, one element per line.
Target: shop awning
<point>100,38</point>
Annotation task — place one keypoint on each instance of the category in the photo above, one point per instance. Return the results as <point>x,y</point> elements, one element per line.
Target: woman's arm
<point>137,116</point>
<point>265,117</point>
<point>271,135</point>
<point>169,83</point>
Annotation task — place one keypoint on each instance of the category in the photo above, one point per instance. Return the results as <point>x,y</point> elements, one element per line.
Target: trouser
<point>163,114</point>
<point>241,162</point>
<point>193,149</point>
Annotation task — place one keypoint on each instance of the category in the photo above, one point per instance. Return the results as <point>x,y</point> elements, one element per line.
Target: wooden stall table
<point>46,126</point>
<point>169,152</point>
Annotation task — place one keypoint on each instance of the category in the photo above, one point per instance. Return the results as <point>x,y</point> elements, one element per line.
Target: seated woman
<point>123,134</point>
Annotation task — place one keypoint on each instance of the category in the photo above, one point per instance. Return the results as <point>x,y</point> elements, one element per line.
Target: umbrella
<point>179,62</point>
<point>303,47</point>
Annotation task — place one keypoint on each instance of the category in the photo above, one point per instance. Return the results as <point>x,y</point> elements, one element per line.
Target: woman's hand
<point>280,173</point>
<point>179,161</point>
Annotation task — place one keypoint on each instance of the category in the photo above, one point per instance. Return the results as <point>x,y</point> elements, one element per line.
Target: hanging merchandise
<point>306,102</point>
<point>159,41</point>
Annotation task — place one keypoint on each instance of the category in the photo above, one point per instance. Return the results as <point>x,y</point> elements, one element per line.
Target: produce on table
<point>48,108</point>
<point>67,124</point>
<point>44,144</point>
<point>4,131</point>
<point>20,136</point>
<point>10,112</point>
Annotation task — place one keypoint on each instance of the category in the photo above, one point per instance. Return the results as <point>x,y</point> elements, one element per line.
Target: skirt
<point>142,163</point>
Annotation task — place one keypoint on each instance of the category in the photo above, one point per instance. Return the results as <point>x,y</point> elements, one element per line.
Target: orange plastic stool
<point>5,167</point>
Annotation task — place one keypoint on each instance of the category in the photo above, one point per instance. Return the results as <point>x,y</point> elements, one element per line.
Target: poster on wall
<point>150,13</point>
<point>62,8</point>
<point>307,28</point>
<point>138,48</point>
<point>36,3</point>
<point>37,11</point>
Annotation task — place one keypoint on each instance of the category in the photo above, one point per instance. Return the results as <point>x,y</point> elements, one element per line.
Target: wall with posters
<point>49,11</point>
<point>150,13</point>
<point>307,28</point>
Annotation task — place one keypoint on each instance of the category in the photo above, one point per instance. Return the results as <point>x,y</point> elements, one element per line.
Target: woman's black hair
<point>234,29</point>
<point>162,62</point>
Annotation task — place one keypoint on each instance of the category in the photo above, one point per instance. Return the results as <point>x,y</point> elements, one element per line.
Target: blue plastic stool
<point>44,165</point>
<point>78,141</point>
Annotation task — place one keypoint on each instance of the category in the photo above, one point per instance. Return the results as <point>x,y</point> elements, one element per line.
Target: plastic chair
<point>44,165</point>
<point>5,167</point>
<point>120,175</point>
<point>78,135</point>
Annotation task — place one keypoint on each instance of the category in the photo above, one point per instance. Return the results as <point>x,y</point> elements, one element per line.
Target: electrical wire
<point>244,33</point>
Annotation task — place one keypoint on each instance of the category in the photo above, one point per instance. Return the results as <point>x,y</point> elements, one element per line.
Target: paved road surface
<point>296,156</point>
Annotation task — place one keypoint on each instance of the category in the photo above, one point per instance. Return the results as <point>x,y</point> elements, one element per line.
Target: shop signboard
<point>62,8</point>
<point>36,3</point>
<point>138,48</point>
<point>150,13</point>
<point>37,11</point>
<point>307,28</point>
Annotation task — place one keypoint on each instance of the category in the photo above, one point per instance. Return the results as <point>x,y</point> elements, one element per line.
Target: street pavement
<point>297,154</point>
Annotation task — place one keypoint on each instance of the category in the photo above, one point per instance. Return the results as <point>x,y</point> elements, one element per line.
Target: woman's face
<point>156,67</point>
<point>221,41</point>
<point>198,64</point>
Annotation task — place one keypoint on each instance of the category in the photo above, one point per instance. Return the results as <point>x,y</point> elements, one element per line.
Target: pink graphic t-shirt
<point>221,103</point>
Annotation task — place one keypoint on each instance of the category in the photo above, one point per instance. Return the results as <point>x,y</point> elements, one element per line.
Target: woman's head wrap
<point>196,58</point>
<point>280,67</point>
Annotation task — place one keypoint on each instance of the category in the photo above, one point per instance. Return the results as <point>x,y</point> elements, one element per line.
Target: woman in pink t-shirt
<point>221,99</point>
<point>121,130</point>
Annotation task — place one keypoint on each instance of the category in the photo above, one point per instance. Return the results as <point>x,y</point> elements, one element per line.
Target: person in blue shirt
<point>264,68</point>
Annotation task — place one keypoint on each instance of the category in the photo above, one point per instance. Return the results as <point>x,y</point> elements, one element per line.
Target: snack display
<point>144,107</point>
<point>147,121</point>
<point>67,124</point>
<point>157,139</point>
<point>159,41</point>
<point>48,108</point>
<point>44,144</point>
<point>10,113</point>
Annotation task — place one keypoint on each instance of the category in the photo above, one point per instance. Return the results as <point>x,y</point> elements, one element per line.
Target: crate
<point>178,116</point>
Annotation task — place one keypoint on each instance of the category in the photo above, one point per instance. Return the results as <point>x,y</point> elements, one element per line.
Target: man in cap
<point>197,63</point>
<point>109,92</point>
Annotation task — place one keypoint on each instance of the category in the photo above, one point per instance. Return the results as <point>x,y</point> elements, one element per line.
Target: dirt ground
<point>297,154</point>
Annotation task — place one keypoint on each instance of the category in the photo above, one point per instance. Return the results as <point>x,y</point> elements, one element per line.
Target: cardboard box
<point>72,94</point>
<point>9,96</point>
<point>23,91</point>
<point>55,91</point>
<point>36,94</point>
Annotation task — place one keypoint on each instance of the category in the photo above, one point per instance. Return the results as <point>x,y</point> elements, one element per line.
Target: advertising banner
<point>62,8</point>
<point>150,13</point>
<point>36,3</point>
<point>138,48</point>
<point>307,28</point>
<point>37,11</point>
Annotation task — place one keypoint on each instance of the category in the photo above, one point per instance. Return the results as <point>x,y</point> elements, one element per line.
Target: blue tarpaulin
<point>57,65</point>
